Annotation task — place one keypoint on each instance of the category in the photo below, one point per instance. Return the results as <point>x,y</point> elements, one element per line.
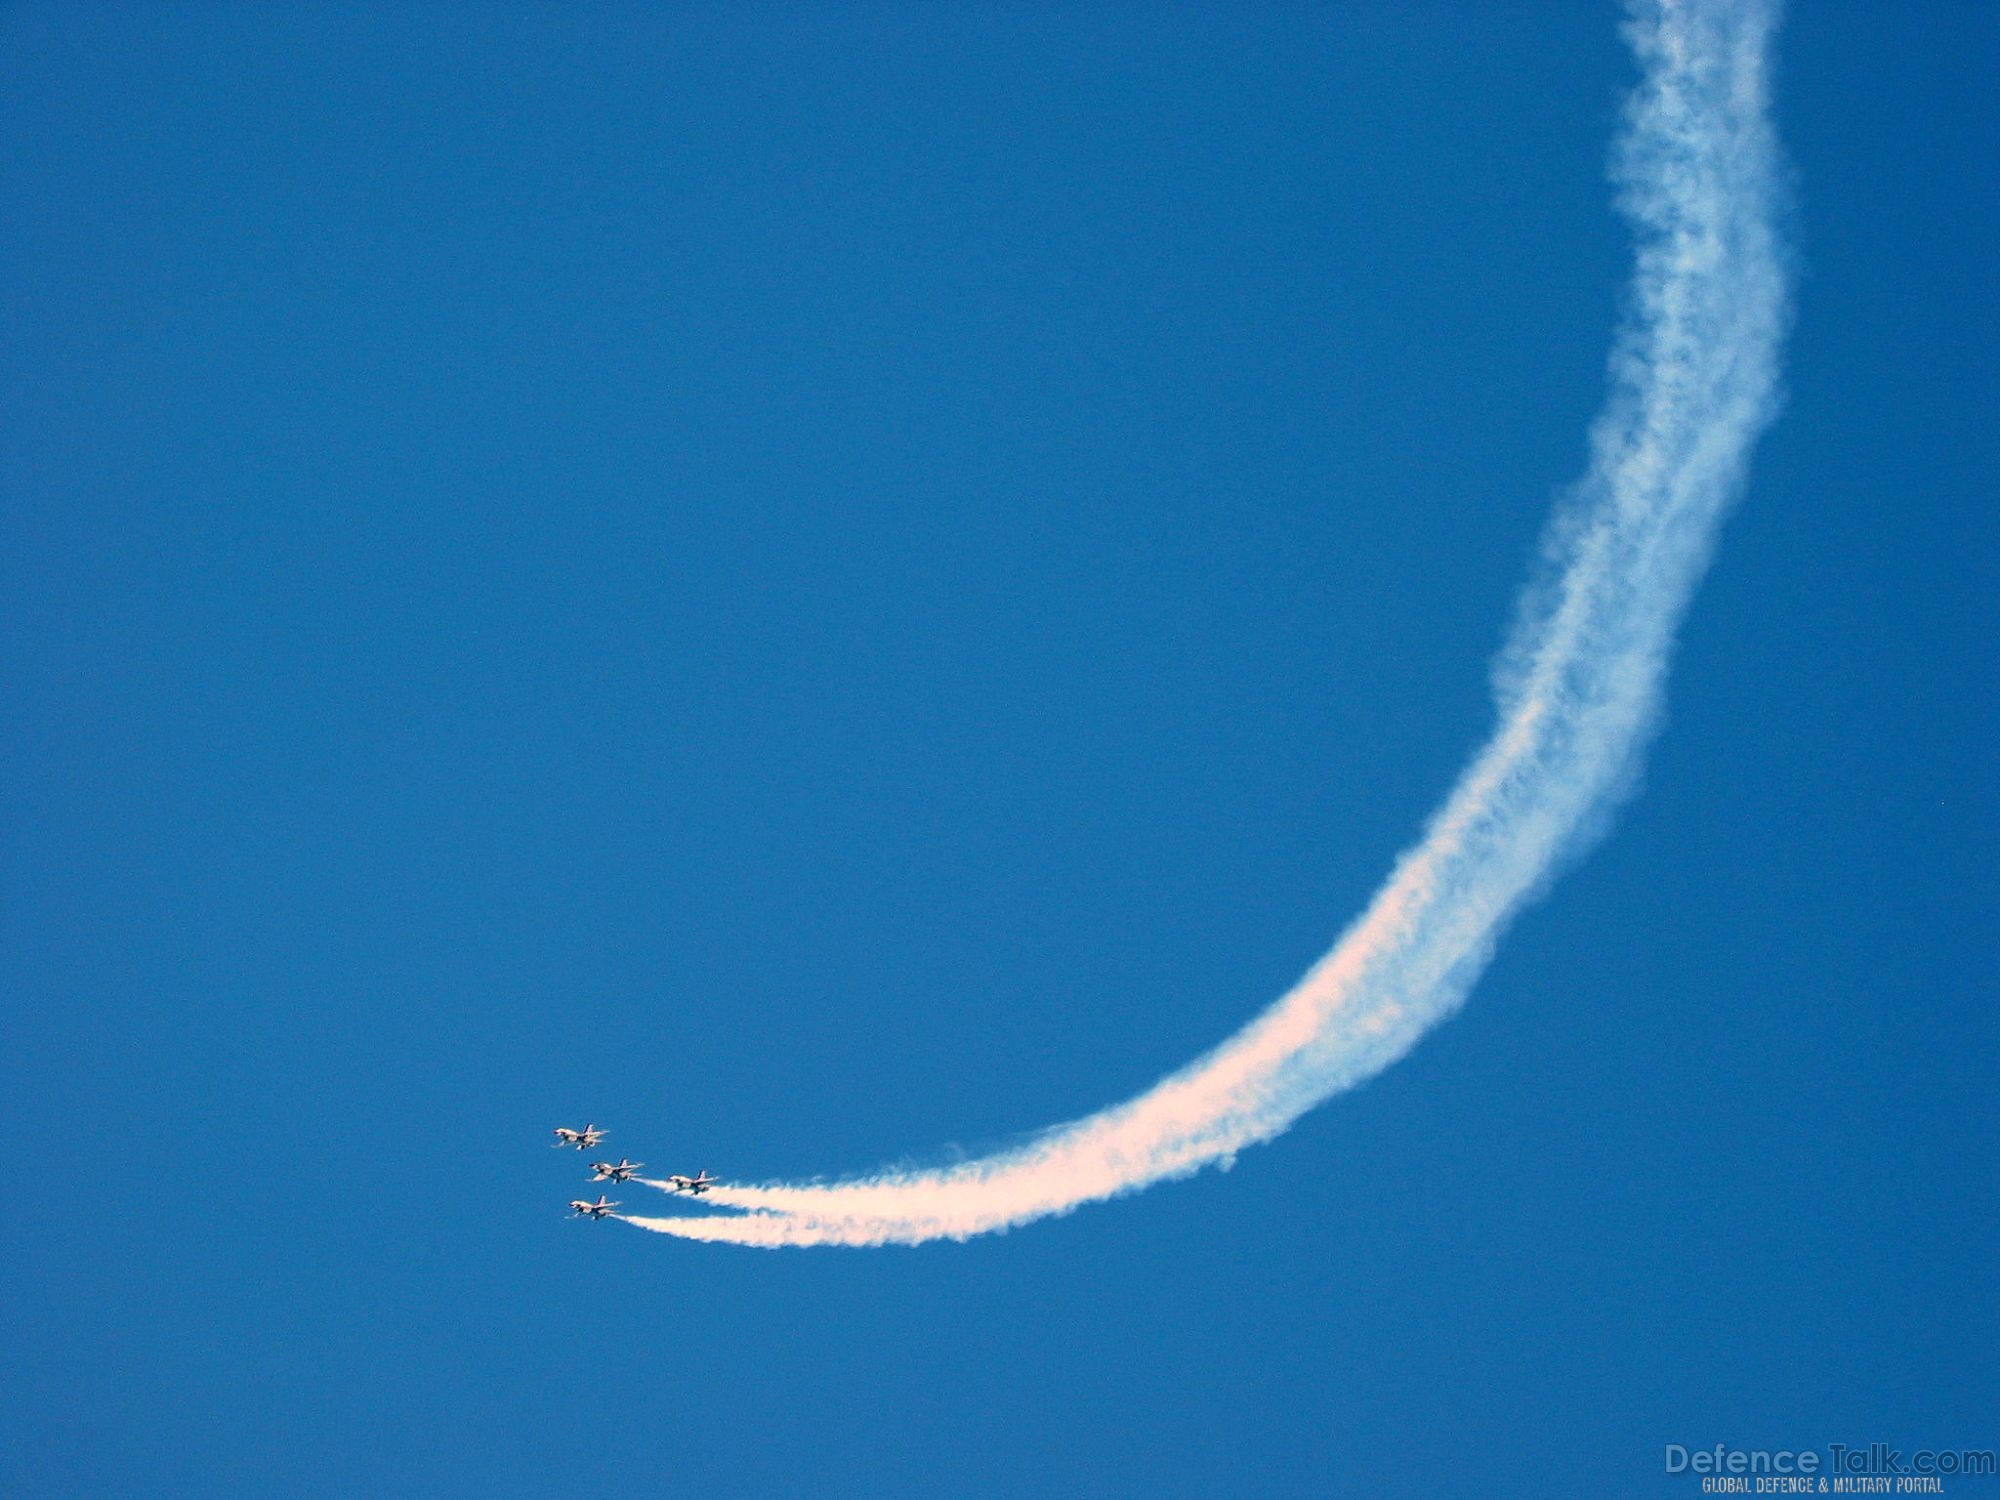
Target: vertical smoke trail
<point>1693,379</point>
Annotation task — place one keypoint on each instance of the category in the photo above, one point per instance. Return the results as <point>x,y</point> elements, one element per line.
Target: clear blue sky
<point>817,584</point>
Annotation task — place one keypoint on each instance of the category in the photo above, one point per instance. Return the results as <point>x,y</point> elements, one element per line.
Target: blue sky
<point>699,571</point>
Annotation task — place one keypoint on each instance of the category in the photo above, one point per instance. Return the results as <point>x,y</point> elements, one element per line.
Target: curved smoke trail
<point>1693,381</point>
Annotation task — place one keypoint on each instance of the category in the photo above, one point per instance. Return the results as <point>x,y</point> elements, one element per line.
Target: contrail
<point>1694,376</point>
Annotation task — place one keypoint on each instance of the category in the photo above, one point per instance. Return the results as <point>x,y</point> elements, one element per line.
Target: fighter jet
<point>582,1139</point>
<point>698,1184</point>
<point>598,1210</point>
<point>620,1170</point>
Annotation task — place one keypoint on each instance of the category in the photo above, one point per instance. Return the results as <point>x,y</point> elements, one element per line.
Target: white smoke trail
<point>1693,383</point>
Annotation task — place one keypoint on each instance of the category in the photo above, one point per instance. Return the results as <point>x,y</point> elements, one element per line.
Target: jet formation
<point>621,1170</point>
